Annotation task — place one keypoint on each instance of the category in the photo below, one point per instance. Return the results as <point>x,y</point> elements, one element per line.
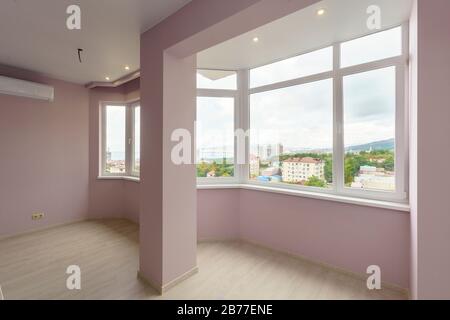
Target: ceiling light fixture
<point>107,78</point>
<point>321,12</point>
<point>127,68</point>
<point>255,39</point>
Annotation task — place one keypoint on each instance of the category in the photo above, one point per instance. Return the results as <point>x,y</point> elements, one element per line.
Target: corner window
<point>120,140</point>
<point>331,121</point>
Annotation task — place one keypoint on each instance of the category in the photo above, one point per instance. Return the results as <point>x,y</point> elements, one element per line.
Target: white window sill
<point>404,207</point>
<point>126,178</point>
<point>218,186</point>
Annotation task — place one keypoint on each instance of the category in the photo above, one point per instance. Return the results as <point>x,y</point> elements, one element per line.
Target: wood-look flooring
<point>33,266</point>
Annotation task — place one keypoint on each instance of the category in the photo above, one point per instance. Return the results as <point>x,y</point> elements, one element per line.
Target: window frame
<point>133,106</point>
<point>129,139</point>
<point>337,74</point>
<point>222,93</point>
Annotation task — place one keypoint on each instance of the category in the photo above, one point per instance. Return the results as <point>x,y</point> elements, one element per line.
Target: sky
<point>215,123</point>
<point>115,131</point>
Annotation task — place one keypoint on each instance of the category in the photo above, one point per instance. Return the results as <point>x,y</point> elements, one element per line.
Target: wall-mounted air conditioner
<point>27,89</point>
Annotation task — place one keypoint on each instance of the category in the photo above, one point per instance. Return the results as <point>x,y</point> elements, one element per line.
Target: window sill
<point>126,178</point>
<point>404,207</point>
<point>218,186</point>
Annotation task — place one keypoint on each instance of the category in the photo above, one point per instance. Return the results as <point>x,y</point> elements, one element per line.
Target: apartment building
<point>298,170</point>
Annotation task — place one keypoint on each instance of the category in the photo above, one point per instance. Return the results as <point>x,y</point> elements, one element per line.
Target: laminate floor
<point>33,266</point>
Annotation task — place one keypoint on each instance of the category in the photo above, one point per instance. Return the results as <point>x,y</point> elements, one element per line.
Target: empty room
<point>216,150</point>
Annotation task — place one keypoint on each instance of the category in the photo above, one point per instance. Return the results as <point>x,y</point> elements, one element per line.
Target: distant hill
<point>377,145</point>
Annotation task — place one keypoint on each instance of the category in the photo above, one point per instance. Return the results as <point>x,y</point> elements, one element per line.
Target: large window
<point>292,135</point>
<point>331,120</point>
<point>115,140</point>
<point>120,140</point>
<point>369,129</point>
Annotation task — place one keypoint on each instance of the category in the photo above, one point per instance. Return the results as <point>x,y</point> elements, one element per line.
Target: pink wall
<point>218,214</point>
<point>50,157</point>
<point>44,156</point>
<point>346,236</point>
<point>431,209</point>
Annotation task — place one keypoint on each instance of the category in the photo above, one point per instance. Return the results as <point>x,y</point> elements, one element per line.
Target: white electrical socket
<point>37,216</point>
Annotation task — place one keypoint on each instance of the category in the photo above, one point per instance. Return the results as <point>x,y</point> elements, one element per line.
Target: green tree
<point>351,169</point>
<point>315,182</point>
<point>329,169</point>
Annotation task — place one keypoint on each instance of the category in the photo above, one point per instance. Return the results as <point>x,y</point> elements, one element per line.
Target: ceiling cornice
<point>113,84</point>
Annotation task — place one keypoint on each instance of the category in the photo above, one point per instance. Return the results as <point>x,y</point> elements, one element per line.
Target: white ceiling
<point>33,35</point>
<point>301,32</point>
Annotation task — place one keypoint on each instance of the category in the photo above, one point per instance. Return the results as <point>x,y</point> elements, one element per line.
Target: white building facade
<point>298,170</point>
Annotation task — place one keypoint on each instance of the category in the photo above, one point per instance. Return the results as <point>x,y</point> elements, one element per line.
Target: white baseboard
<point>218,239</point>
<point>56,225</point>
<point>40,229</point>
<point>179,279</point>
<point>161,289</point>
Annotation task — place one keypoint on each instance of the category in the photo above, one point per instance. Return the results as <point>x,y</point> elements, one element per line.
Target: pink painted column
<point>430,151</point>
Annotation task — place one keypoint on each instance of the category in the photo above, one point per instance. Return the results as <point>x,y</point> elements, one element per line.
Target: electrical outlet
<point>37,216</point>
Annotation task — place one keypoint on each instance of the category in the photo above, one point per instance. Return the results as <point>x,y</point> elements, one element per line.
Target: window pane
<point>369,129</point>
<point>137,140</point>
<point>291,138</point>
<point>115,139</point>
<point>374,47</point>
<point>300,66</point>
<point>215,137</point>
<point>216,79</point>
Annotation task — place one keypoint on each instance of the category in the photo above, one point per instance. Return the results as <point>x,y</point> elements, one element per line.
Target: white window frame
<point>222,93</point>
<point>129,139</point>
<point>132,107</point>
<point>242,114</point>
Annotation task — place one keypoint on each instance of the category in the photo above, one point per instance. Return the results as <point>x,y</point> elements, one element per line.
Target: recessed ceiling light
<point>255,39</point>
<point>107,78</point>
<point>321,12</point>
<point>127,67</point>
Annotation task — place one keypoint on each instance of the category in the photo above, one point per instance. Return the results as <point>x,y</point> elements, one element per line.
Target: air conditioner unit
<point>27,89</point>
